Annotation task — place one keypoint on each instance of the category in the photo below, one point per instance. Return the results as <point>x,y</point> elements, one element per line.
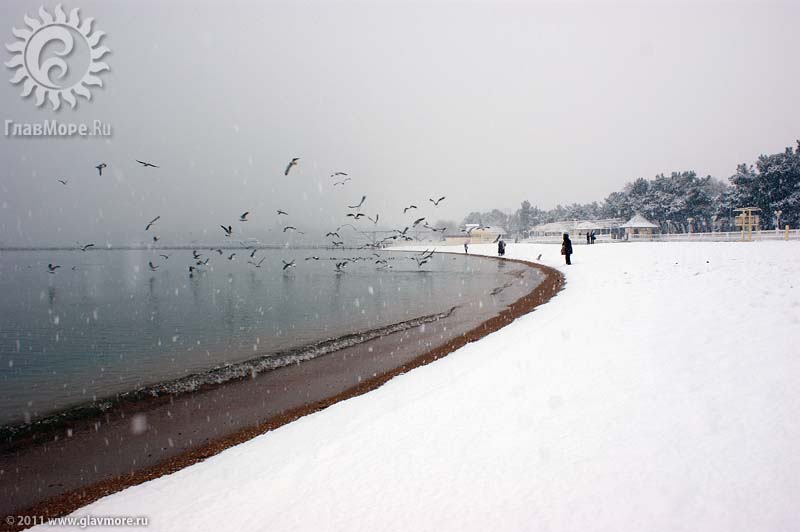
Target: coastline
<point>335,378</point>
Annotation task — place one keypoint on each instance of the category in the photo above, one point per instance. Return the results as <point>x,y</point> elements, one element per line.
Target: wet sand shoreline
<point>103,455</point>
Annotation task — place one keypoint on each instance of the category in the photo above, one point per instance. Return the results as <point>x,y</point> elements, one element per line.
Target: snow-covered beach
<point>657,391</point>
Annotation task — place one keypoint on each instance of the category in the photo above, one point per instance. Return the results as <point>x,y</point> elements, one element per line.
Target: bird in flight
<point>337,244</point>
<point>409,208</point>
<point>63,181</point>
<point>87,246</point>
<point>360,203</point>
<point>293,162</point>
<point>100,168</point>
<point>289,227</point>
<point>338,173</point>
<point>314,257</point>
<point>155,238</point>
<point>418,221</point>
<point>152,266</point>
<point>230,257</point>
<point>165,257</point>
<point>282,212</point>
<point>52,268</point>
<point>146,164</point>
<point>197,255</point>
<point>150,224</point>
<point>228,230</point>
<point>332,233</point>
<point>436,203</point>
<point>253,254</point>
<point>375,221</point>
<point>243,217</point>
<point>288,264</point>
<point>356,216</point>
<point>342,182</point>
<point>257,264</point>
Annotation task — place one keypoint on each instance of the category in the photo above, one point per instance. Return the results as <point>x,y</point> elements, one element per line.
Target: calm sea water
<point>104,323</point>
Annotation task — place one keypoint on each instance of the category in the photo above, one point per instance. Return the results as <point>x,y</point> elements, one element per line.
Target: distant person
<point>466,248</point>
<point>501,248</point>
<point>594,237</point>
<point>566,248</point>
<point>588,238</point>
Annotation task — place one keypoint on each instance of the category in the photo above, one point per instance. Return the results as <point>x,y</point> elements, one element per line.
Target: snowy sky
<point>483,102</point>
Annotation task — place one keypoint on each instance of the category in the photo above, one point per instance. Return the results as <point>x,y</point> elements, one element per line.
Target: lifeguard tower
<point>748,220</point>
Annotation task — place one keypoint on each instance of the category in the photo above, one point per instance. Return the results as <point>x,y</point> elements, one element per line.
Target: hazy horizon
<point>488,104</point>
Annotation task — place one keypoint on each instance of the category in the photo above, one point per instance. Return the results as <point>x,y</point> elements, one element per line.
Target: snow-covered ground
<point>659,391</point>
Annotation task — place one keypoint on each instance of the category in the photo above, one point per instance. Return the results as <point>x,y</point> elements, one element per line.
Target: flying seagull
<point>282,212</point>
<point>293,162</point>
<point>100,168</point>
<point>63,181</point>
<point>342,182</point>
<point>375,221</point>
<point>436,203</point>
<point>257,264</point>
<point>409,208</point>
<point>253,253</point>
<point>146,164</point>
<point>360,203</point>
<point>165,257</point>
<point>243,217</point>
<point>356,216</point>
<point>314,257</point>
<point>230,257</point>
<point>154,220</point>
<point>52,268</point>
<point>197,255</point>
<point>288,264</point>
<point>155,238</point>
<point>338,173</point>
<point>289,227</point>
<point>152,267</point>
<point>418,221</point>
<point>332,233</point>
<point>228,230</point>
<point>87,246</point>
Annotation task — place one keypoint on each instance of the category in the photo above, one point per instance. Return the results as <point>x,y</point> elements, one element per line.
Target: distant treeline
<point>681,202</point>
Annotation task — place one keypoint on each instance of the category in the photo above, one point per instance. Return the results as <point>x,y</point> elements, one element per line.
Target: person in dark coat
<point>594,237</point>
<point>566,247</point>
<point>588,237</point>
<point>501,248</point>
<point>466,247</point>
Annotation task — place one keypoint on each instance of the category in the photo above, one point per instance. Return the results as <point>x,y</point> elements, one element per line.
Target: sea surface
<point>104,323</point>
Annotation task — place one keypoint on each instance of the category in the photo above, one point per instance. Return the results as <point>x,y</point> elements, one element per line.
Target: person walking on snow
<point>566,248</point>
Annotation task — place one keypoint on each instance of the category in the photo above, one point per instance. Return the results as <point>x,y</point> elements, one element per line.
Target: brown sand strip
<point>66,503</point>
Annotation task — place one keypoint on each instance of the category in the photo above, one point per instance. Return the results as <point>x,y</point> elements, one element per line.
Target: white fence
<point>793,234</point>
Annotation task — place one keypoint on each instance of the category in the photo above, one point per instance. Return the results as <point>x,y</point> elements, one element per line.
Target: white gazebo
<point>639,226</point>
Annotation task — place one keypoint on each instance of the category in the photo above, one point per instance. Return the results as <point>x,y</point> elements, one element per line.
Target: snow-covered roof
<point>565,226</point>
<point>639,222</point>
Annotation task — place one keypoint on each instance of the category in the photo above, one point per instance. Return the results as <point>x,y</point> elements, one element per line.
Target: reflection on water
<point>112,325</point>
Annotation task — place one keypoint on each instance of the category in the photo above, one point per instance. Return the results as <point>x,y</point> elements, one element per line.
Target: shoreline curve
<point>63,504</point>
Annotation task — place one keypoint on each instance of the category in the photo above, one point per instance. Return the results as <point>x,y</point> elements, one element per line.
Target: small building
<point>576,228</point>
<point>639,226</point>
<point>475,234</point>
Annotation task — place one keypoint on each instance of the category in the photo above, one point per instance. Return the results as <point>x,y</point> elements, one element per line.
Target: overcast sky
<point>486,103</point>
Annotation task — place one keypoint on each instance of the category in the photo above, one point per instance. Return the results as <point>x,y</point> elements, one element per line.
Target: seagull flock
<point>340,179</point>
